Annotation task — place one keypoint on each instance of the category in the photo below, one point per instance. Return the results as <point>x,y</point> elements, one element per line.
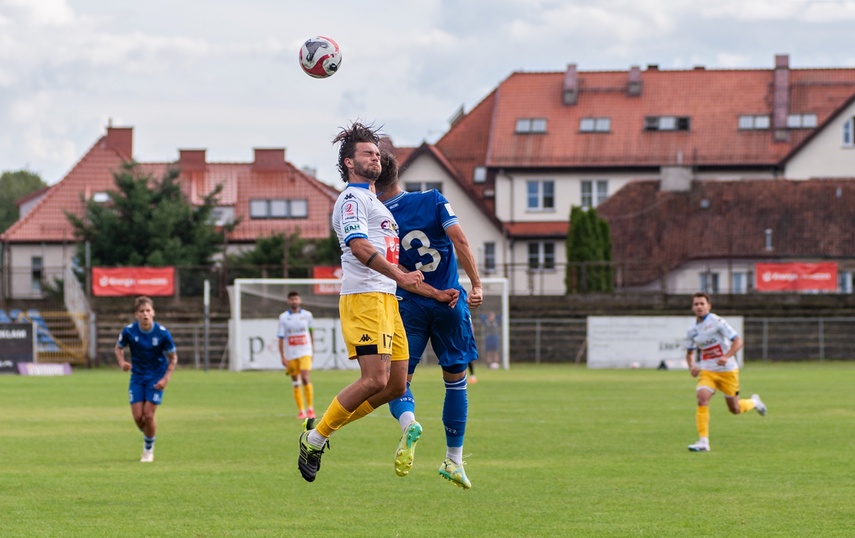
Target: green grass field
<point>554,451</point>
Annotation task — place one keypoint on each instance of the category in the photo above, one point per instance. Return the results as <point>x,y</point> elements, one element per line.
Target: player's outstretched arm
<point>467,261</point>
<point>365,252</point>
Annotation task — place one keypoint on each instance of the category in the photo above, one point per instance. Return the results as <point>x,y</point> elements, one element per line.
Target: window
<point>541,255</point>
<point>595,125</point>
<point>541,195</point>
<point>849,133</point>
<point>709,282</point>
<point>489,257</point>
<point>844,281</point>
<point>531,125</point>
<point>743,281</point>
<point>37,270</point>
<point>754,122</point>
<point>801,121</point>
<point>594,192</point>
<point>419,186</point>
<point>667,123</point>
<point>278,209</point>
<point>100,197</point>
<point>479,175</point>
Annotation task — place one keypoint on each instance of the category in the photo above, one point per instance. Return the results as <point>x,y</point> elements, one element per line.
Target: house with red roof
<point>543,142</point>
<point>269,196</point>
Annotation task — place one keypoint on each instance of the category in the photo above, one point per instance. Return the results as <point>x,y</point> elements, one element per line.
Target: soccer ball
<point>320,57</point>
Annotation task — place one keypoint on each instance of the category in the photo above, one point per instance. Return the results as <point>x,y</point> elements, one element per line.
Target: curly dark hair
<point>389,173</point>
<point>348,138</point>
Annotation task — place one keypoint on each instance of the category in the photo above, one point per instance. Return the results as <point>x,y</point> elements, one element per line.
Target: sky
<point>224,76</point>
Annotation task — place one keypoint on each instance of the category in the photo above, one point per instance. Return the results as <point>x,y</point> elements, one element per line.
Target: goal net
<point>256,304</point>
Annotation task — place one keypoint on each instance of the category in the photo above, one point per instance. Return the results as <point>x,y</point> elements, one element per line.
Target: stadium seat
<point>4,317</point>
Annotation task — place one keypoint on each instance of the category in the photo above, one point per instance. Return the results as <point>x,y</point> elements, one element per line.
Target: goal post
<point>256,304</point>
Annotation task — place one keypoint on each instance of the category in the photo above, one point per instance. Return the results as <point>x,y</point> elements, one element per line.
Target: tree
<point>303,254</point>
<point>13,187</point>
<point>588,243</point>
<point>148,223</point>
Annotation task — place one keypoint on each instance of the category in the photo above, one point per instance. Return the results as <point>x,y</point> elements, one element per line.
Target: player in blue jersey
<point>430,237</point>
<point>153,358</point>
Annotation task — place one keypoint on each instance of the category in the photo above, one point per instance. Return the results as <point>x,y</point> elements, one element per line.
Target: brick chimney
<point>571,85</point>
<point>633,85</point>
<point>192,160</point>
<point>120,140</point>
<point>269,160</point>
<point>781,98</point>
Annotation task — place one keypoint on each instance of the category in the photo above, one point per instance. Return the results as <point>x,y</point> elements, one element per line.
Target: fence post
<point>765,340</point>
<point>537,341</point>
<point>821,340</point>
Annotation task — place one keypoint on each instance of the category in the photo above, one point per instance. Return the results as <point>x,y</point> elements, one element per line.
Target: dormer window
<point>595,125</point>
<point>531,125</point>
<point>755,122</point>
<point>667,123</point>
<point>100,197</point>
<point>479,175</point>
<point>801,121</point>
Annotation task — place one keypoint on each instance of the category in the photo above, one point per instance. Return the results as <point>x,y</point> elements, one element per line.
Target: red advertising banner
<point>796,276</point>
<point>125,281</point>
<point>327,271</point>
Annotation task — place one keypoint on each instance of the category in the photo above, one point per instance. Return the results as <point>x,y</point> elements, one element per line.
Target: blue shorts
<point>141,389</point>
<point>449,331</point>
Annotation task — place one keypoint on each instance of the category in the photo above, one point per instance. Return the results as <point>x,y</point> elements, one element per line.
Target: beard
<point>366,172</point>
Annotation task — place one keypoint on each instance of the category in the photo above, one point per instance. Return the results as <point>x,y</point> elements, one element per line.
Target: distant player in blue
<point>430,236</point>
<point>153,358</point>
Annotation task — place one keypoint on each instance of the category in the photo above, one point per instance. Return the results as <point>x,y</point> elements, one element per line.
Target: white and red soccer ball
<point>320,57</point>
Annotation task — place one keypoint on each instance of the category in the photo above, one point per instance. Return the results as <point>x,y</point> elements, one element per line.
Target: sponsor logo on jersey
<point>389,225</point>
<point>450,211</point>
<point>351,228</point>
<point>349,212</point>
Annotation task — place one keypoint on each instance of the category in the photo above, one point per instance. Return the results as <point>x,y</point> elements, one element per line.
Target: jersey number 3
<point>424,250</point>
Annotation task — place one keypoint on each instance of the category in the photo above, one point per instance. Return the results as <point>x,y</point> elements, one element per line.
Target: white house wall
<point>825,156</point>
<point>55,258</point>
<point>478,227</point>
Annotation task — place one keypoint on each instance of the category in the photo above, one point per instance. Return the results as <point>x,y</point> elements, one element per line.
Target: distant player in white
<point>716,342</point>
<point>296,343</point>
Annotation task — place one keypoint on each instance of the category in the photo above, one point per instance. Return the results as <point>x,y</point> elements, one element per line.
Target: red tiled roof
<point>728,219</point>
<point>713,99</point>
<point>241,183</point>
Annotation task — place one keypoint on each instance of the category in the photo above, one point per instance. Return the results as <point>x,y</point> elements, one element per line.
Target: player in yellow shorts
<point>371,323</point>
<point>717,343</point>
<point>296,344</point>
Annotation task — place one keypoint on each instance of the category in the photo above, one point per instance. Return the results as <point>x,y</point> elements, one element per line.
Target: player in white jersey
<point>716,343</point>
<point>371,323</point>
<point>296,343</point>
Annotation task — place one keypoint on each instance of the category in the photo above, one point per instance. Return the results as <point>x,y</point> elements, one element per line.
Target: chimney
<point>571,85</point>
<point>633,86</point>
<point>675,179</point>
<point>781,98</point>
<point>269,160</point>
<point>192,160</point>
<point>120,140</point>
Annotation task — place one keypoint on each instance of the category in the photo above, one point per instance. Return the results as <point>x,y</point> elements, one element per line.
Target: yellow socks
<point>334,418</point>
<point>364,409</point>
<point>310,396</point>
<point>298,395</point>
<point>746,405</point>
<point>702,417</point>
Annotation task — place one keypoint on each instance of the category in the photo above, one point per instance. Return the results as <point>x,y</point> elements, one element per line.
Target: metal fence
<point>766,339</point>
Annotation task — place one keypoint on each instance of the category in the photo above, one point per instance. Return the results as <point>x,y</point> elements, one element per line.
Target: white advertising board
<point>642,341</point>
<point>257,347</point>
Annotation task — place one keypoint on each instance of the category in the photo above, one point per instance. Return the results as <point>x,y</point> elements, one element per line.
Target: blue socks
<point>149,442</point>
<point>405,403</point>
<point>455,411</point>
